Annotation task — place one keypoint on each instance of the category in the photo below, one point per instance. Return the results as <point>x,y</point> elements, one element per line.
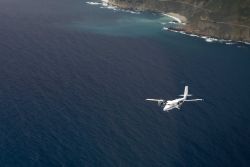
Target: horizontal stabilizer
<point>194,100</point>
<point>184,95</point>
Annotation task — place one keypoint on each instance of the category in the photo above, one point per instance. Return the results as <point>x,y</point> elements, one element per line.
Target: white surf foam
<point>105,4</point>
<point>172,22</point>
<point>118,9</point>
<point>94,3</point>
<point>247,43</point>
<point>167,29</point>
<point>207,38</point>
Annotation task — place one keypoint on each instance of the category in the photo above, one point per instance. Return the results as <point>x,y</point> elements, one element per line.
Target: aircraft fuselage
<point>173,104</point>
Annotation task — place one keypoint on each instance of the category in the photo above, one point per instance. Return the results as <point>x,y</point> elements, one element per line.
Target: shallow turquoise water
<point>145,24</point>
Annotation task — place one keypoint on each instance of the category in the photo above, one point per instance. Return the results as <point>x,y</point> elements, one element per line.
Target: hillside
<point>227,19</point>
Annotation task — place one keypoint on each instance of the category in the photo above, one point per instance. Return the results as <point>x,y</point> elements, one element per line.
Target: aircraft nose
<point>166,108</point>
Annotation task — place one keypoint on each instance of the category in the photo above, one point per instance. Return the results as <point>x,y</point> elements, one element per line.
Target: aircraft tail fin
<point>185,94</point>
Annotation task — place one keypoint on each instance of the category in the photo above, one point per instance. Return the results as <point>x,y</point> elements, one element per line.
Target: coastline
<point>206,38</point>
<point>181,20</point>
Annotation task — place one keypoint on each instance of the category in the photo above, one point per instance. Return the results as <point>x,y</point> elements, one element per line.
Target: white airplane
<point>171,104</point>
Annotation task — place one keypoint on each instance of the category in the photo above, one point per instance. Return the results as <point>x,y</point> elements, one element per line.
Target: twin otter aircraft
<point>171,104</point>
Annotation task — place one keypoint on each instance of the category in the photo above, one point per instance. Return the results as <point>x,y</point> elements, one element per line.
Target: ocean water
<point>74,78</point>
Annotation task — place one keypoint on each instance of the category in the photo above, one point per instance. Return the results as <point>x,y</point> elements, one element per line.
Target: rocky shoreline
<point>206,38</point>
<point>196,20</point>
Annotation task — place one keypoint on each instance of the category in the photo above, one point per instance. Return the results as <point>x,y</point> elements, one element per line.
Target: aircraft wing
<point>194,100</point>
<point>156,100</point>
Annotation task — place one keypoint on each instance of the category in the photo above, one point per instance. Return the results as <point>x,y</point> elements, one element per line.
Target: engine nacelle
<point>161,103</point>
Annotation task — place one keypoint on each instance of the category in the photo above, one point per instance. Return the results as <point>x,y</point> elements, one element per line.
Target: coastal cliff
<point>225,19</point>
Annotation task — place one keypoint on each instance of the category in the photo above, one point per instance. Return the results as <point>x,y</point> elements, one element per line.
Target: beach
<point>179,18</point>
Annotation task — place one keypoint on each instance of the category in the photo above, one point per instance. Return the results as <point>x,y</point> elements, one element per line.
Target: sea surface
<point>74,78</point>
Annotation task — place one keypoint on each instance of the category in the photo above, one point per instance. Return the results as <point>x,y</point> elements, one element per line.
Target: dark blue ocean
<point>74,76</point>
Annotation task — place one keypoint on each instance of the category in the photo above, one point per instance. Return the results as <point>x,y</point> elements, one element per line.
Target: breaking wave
<point>94,3</point>
<point>207,38</point>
